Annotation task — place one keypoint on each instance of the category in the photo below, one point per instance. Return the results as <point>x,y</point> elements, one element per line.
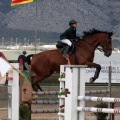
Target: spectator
<point>23,57</point>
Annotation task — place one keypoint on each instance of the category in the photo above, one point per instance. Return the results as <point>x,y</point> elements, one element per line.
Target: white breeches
<point>68,42</point>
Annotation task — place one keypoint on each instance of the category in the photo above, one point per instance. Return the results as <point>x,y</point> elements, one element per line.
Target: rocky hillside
<point>53,15</point>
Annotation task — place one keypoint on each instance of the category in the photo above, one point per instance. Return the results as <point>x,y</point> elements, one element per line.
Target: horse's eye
<point>109,40</point>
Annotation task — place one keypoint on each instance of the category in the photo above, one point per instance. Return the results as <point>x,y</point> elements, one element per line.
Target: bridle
<point>107,44</point>
<point>99,48</point>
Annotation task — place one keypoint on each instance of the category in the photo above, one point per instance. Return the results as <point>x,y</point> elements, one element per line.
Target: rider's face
<point>74,25</point>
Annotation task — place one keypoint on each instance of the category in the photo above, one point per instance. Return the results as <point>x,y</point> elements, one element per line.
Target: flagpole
<point>36,26</point>
<point>17,2</point>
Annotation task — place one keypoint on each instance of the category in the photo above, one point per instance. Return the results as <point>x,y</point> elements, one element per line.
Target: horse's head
<point>97,38</point>
<point>106,43</point>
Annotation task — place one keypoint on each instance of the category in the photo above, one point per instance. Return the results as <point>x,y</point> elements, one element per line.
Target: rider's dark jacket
<point>70,33</point>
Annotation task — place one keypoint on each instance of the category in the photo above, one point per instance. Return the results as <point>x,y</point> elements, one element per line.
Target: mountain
<point>53,15</point>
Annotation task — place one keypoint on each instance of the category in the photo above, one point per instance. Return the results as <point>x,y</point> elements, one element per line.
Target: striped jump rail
<point>101,110</point>
<point>44,102</point>
<point>97,91</point>
<point>45,111</point>
<point>46,93</point>
<point>99,99</point>
<point>90,92</point>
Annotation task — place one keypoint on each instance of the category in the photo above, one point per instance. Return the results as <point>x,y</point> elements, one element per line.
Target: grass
<point>1,99</point>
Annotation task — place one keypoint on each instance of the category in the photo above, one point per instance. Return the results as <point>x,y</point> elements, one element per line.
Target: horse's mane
<point>92,32</point>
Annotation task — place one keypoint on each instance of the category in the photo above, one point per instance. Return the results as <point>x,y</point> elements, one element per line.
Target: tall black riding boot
<point>66,52</point>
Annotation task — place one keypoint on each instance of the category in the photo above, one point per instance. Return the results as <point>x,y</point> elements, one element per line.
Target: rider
<point>67,36</point>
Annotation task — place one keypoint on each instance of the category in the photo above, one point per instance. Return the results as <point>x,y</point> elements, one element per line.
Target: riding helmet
<point>72,22</point>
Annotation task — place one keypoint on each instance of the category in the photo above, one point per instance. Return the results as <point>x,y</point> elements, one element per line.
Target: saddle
<point>61,47</point>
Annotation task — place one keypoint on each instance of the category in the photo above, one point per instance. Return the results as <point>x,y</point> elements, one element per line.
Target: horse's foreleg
<point>97,72</point>
<point>96,75</point>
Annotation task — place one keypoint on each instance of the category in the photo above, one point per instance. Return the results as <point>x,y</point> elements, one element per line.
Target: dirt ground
<point>50,116</point>
<point>43,116</point>
<point>47,116</point>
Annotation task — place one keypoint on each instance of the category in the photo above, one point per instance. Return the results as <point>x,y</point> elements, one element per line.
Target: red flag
<point>18,2</point>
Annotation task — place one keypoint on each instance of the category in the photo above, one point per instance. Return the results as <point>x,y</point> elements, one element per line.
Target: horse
<point>45,63</point>
<point>28,59</point>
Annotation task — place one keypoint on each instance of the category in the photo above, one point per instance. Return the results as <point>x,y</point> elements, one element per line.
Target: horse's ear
<point>111,33</point>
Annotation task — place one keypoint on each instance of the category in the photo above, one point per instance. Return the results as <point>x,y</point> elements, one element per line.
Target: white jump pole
<point>99,99</point>
<point>62,86</point>
<point>13,92</point>
<point>75,100</point>
<point>75,83</point>
<point>102,110</point>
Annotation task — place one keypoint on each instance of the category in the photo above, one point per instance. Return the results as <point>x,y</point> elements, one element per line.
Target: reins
<point>100,49</point>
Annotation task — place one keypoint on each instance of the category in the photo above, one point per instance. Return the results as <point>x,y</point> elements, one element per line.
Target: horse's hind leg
<point>38,87</point>
<point>35,84</point>
<point>34,87</point>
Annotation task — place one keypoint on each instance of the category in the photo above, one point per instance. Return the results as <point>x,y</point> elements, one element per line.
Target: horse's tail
<point>28,59</point>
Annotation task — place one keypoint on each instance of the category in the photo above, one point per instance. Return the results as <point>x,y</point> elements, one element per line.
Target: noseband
<point>106,48</point>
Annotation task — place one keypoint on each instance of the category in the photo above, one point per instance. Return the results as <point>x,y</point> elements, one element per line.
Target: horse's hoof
<point>91,80</point>
<point>34,88</point>
<point>34,97</point>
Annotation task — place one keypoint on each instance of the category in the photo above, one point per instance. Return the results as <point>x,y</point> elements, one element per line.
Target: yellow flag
<point>19,2</point>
